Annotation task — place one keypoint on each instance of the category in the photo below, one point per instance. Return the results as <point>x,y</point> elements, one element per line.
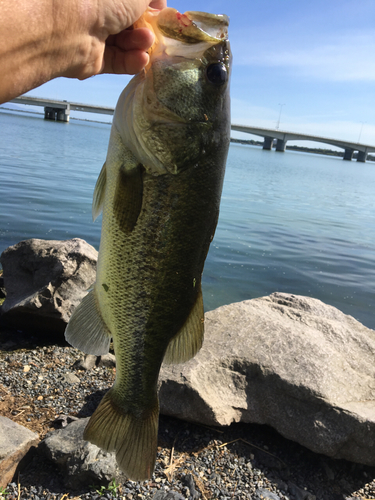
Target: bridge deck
<point>53,103</point>
<point>286,135</point>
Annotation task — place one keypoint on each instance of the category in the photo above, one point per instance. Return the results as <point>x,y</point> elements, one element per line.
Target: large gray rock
<point>15,442</point>
<point>291,362</point>
<point>45,281</point>
<point>80,462</point>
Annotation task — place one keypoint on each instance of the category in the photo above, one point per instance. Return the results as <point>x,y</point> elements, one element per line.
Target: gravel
<point>44,385</point>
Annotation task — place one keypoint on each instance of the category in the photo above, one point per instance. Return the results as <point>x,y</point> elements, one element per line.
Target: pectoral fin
<point>189,339</point>
<point>128,197</point>
<point>99,192</point>
<point>86,329</point>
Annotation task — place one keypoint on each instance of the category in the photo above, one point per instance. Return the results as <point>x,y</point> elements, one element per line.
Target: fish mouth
<point>191,33</point>
<point>193,27</point>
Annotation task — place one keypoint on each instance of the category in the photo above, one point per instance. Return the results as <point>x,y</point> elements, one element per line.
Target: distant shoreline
<point>302,149</point>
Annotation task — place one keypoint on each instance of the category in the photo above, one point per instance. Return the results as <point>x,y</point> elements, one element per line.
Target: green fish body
<point>159,190</point>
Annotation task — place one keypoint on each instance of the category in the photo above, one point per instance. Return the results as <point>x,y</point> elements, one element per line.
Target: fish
<point>159,191</point>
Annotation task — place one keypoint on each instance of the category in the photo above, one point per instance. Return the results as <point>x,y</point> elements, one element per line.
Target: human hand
<point>115,46</point>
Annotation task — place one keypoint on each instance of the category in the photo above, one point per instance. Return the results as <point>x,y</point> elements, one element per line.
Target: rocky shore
<point>42,386</point>
<point>278,404</point>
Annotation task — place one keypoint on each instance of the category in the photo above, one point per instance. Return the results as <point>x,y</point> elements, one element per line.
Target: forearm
<point>40,40</point>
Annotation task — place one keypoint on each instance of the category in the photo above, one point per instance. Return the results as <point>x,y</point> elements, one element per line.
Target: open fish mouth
<point>195,30</point>
<point>193,27</point>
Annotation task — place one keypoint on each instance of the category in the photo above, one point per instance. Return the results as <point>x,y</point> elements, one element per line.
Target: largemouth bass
<point>159,190</point>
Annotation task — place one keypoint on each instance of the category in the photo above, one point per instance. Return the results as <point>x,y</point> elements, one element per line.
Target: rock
<point>329,472</point>
<point>2,288</point>
<point>263,494</point>
<point>45,281</point>
<point>167,495</point>
<point>63,420</point>
<point>188,481</point>
<point>70,378</point>
<point>85,363</point>
<point>292,362</point>
<point>15,442</point>
<point>299,493</point>
<point>89,361</point>
<point>80,462</point>
<point>107,360</point>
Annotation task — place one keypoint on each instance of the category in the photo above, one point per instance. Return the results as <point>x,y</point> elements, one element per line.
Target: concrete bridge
<point>60,111</point>
<point>282,137</point>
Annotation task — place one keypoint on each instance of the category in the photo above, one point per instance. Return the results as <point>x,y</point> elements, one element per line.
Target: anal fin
<point>133,438</point>
<point>86,329</point>
<point>189,339</point>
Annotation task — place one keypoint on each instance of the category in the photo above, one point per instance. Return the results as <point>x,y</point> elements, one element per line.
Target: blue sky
<point>313,60</point>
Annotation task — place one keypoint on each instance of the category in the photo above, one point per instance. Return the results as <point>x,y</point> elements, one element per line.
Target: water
<point>291,222</point>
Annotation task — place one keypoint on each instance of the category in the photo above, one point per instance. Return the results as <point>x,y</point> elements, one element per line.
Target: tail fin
<point>134,439</point>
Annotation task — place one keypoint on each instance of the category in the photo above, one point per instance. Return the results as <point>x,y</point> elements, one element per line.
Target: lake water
<point>290,222</point>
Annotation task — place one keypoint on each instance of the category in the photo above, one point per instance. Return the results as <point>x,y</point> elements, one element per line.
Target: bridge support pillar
<point>281,145</point>
<point>63,115</point>
<point>348,155</point>
<point>59,114</point>
<point>267,144</point>
<point>362,156</point>
<point>49,113</point>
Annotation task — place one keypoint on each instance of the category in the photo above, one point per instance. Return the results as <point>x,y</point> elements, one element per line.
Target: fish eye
<point>217,73</point>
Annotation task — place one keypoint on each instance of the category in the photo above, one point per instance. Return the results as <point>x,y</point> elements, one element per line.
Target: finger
<point>129,62</point>
<point>158,4</point>
<point>140,38</point>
